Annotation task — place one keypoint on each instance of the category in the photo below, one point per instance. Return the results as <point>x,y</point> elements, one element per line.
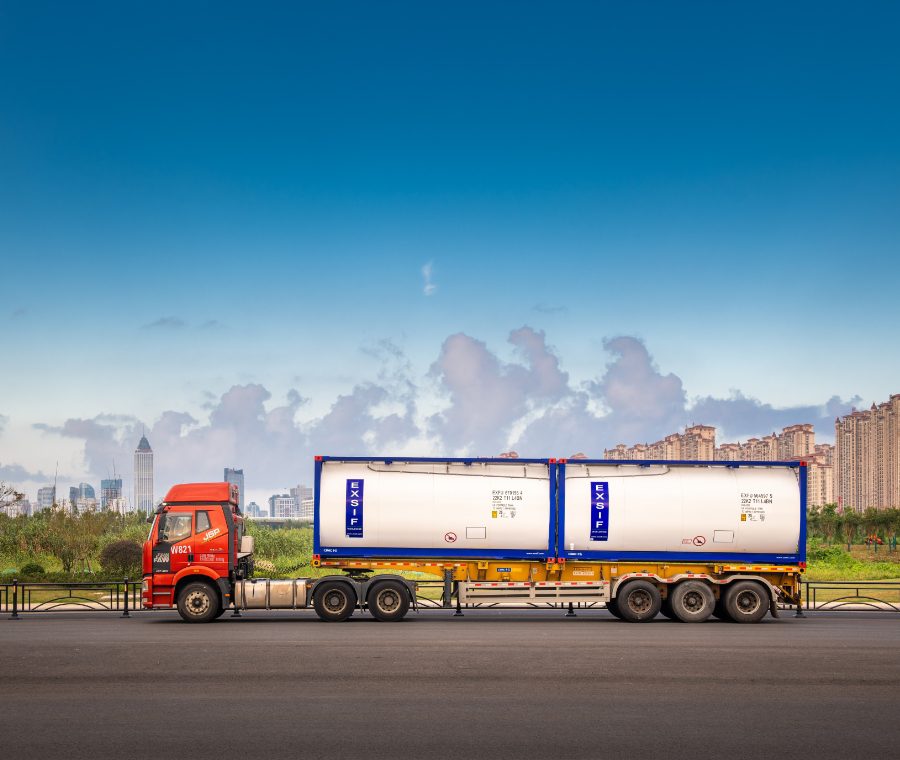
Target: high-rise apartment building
<point>236,477</point>
<point>283,506</point>
<point>867,457</point>
<point>46,497</point>
<point>303,497</point>
<point>143,476</point>
<point>698,442</point>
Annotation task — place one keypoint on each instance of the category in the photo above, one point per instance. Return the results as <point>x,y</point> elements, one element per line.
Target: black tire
<point>746,601</point>
<point>198,603</point>
<point>334,601</point>
<point>638,601</point>
<point>388,601</point>
<point>613,609</point>
<point>692,601</point>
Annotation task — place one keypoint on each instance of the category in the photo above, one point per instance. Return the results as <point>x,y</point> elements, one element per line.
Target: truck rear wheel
<point>388,601</point>
<point>692,601</point>
<point>198,603</point>
<point>638,601</point>
<point>613,608</point>
<point>746,602</point>
<point>334,601</point>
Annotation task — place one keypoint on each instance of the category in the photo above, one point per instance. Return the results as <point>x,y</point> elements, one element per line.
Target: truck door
<point>173,549</point>
<point>211,541</point>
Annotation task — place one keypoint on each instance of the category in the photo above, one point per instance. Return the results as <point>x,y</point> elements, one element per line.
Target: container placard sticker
<point>600,511</point>
<point>354,508</point>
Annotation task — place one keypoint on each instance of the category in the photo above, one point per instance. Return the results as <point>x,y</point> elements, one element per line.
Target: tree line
<point>833,525</point>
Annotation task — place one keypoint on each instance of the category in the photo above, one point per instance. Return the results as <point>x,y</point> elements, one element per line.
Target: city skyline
<point>523,233</point>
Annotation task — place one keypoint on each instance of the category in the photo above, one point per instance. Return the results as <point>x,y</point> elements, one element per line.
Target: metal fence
<point>98,596</point>
<point>21,597</point>
<point>879,596</point>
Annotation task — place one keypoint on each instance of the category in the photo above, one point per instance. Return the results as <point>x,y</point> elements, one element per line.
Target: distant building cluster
<point>296,505</point>
<point>867,457</point>
<point>698,443</point>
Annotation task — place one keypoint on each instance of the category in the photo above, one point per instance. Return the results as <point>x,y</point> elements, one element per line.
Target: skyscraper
<point>236,477</point>
<point>110,489</point>
<point>143,476</point>
<point>82,491</point>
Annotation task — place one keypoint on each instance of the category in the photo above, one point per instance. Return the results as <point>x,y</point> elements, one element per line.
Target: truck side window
<point>174,526</point>
<point>202,522</point>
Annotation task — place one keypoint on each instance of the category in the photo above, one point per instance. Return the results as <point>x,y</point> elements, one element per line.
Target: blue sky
<point>193,199</point>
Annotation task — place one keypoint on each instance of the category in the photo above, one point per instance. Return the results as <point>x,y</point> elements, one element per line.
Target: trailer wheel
<point>692,601</point>
<point>638,601</point>
<point>198,603</point>
<point>388,601</point>
<point>613,608</point>
<point>334,601</point>
<point>746,602</point>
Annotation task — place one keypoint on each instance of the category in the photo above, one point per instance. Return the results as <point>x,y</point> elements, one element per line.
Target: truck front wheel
<point>334,601</point>
<point>198,603</point>
<point>388,601</point>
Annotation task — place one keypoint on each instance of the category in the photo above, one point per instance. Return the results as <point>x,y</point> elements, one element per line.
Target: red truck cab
<point>192,556</point>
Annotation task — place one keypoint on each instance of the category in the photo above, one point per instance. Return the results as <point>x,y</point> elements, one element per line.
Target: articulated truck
<point>687,539</point>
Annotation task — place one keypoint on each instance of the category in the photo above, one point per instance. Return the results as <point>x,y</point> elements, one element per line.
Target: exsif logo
<point>354,511</point>
<point>599,511</point>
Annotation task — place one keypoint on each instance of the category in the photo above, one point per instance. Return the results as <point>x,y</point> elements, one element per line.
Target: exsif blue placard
<point>354,509</point>
<point>600,511</point>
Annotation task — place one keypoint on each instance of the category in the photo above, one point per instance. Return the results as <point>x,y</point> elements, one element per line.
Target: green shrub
<point>122,558</point>
<point>32,568</point>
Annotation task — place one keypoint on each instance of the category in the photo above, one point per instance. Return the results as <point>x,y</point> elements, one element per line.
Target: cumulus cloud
<point>739,416</point>
<point>631,401</point>
<point>487,396</point>
<point>428,286</point>
<point>15,473</point>
<point>268,441</point>
<point>526,401</point>
<point>166,323</point>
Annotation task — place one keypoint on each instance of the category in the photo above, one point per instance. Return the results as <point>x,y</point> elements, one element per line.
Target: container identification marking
<point>600,511</point>
<point>354,520</point>
<point>753,506</point>
<point>504,502</point>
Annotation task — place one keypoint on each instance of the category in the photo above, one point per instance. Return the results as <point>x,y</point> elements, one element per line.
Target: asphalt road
<point>491,684</point>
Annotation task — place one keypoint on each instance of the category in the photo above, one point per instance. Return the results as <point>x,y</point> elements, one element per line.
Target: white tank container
<point>685,509</point>
<point>481,509</point>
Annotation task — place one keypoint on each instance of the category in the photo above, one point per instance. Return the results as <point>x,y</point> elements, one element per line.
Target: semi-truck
<point>685,539</point>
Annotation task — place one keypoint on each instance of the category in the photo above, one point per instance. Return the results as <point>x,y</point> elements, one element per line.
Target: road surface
<point>492,684</point>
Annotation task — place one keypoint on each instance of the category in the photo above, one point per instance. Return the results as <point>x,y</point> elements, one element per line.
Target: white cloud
<point>490,404</point>
<point>428,286</point>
